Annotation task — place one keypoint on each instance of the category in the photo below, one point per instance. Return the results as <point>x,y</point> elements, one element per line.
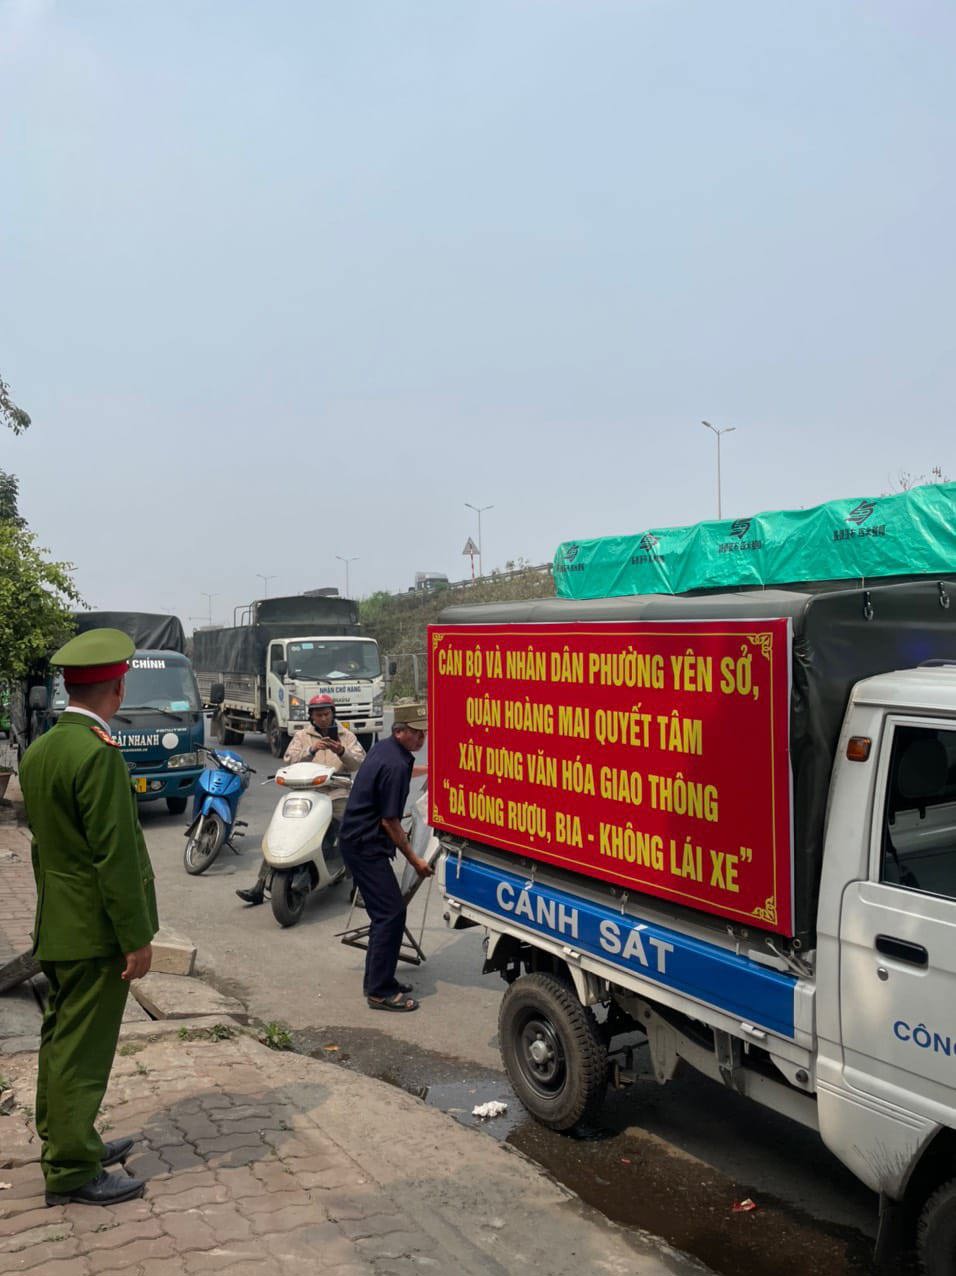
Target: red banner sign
<point>652,755</point>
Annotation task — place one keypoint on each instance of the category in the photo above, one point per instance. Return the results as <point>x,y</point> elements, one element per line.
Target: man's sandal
<point>399,1002</point>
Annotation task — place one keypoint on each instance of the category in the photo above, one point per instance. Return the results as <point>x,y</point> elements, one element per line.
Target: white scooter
<point>299,844</point>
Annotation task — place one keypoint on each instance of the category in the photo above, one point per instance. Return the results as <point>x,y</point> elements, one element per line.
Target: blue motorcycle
<point>215,805</point>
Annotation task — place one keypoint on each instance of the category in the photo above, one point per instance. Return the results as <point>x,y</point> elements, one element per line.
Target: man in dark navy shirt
<point>370,833</point>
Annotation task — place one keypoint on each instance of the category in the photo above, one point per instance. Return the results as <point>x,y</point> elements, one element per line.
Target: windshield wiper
<point>153,708</point>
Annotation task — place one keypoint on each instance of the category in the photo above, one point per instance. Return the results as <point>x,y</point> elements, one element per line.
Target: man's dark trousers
<point>374,876</point>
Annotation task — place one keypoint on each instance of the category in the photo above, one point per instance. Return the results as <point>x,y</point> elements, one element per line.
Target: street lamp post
<point>479,510</point>
<point>265,582</point>
<point>346,561</point>
<point>209,598</point>
<point>729,429</point>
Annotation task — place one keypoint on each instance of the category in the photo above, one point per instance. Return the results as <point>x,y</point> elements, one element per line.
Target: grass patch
<point>276,1037</point>
<point>217,1032</point>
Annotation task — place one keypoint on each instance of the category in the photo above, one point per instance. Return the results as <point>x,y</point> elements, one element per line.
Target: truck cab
<point>886,955</point>
<point>346,668</point>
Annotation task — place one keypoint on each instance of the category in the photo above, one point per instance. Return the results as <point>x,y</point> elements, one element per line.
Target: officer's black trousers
<point>374,876</point>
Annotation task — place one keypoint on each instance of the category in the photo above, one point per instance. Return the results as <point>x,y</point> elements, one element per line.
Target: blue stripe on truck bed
<point>709,974</point>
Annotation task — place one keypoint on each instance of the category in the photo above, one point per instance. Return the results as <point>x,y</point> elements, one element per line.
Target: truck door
<point>275,686</point>
<point>898,929</point>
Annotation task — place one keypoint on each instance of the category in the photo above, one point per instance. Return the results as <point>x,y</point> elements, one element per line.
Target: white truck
<point>842,1015</point>
<point>260,674</point>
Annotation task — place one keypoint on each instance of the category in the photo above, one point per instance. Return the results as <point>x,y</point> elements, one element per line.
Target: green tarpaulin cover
<point>909,534</point>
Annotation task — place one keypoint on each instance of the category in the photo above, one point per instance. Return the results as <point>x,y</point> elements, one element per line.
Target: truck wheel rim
<point>541,1056</point>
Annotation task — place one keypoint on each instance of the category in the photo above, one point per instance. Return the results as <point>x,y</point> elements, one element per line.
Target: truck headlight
<point>378,704</point>
<point>183,759</point>
<point>297,709</point>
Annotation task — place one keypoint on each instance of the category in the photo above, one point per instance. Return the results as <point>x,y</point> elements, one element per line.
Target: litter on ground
<point>494,1108</point>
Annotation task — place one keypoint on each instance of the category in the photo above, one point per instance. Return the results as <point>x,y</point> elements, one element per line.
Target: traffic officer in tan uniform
<point>329,744</point>
<point>95,919</point>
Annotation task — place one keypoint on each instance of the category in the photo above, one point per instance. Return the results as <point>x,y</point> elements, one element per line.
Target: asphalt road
<point>305,978</point>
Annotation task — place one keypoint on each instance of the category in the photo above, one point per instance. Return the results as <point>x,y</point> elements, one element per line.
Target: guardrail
<point>542,569</point>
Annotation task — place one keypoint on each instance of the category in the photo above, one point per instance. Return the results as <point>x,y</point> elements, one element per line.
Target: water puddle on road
<point>635,1177</point>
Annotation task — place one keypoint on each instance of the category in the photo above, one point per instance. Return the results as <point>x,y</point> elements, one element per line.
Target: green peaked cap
<point>95,647</point>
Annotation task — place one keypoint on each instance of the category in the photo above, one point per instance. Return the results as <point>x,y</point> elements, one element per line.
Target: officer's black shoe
<point>105,1189</point>
<point>253,896</point>
<point>116,1150</point>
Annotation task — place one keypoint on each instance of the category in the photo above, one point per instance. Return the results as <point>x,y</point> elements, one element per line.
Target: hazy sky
<point>287,280</point>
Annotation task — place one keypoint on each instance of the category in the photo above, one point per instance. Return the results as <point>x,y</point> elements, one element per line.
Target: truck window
<point>276,654</point>
<point>334,658</point>
<point>919,826</point>
<point>161,684</point>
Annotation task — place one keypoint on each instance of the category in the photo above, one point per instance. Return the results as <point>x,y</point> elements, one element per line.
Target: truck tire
<point>552,1052</point>
<point>228,736</point>
<point>366,739</point>
<point>288,904</point>
<point>175,805</point>
<point>278,739</point>
<point>936,1232</point>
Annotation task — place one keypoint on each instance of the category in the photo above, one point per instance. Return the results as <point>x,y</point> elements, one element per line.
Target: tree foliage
<point>906,480</point>
<point>9,494</point>
<point>399,621</point>
<point>36,596</point>
<point>10,415</point>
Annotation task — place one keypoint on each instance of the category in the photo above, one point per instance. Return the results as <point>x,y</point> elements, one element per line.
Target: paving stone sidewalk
<point>17,888</point>
<point>263,1163</point>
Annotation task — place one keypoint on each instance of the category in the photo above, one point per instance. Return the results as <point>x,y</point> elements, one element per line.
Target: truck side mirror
<point>392,668</point>
<point>217,693</point>
<point>282,668</point>
<point>39,698</point>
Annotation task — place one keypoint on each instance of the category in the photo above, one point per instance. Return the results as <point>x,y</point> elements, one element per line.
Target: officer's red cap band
<point>86,675</point>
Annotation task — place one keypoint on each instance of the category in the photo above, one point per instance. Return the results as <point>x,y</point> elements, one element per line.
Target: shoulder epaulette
<point>104,736</point>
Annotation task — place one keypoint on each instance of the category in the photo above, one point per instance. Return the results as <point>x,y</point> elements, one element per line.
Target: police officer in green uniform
<point>95,919</point>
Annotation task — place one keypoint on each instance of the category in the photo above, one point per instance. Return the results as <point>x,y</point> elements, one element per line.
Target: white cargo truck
<point>260,674</point>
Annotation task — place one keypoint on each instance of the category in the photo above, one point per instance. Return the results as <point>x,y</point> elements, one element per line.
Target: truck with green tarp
<point>907,535</point>
<point>627,924</point>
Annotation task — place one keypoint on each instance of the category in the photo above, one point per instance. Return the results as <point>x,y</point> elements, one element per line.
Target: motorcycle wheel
<point>288,904</point>
<point>204,845</point>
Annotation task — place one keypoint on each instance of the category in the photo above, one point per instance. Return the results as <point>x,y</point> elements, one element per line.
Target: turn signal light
<point>858,748</point>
